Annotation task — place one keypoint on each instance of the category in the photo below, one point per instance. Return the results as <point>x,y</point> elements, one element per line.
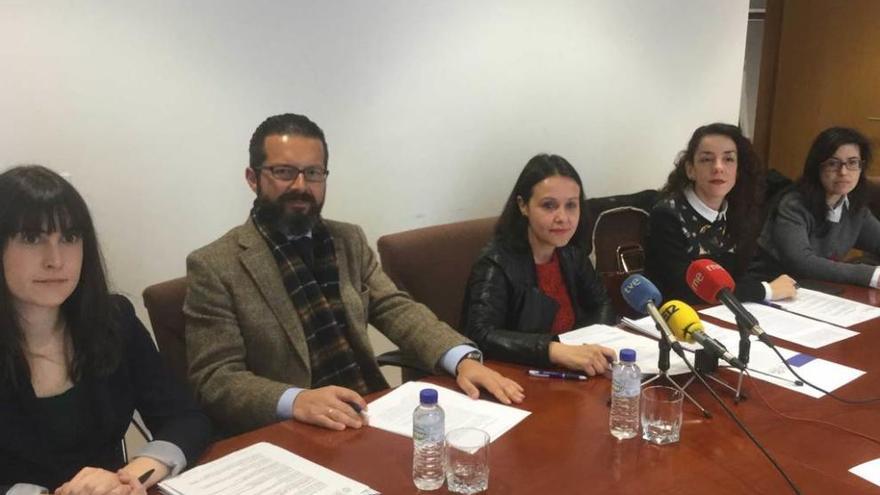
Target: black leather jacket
<point>507,315</point>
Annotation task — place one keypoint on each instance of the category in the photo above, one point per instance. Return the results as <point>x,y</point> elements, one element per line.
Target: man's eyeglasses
<point>834,165</point>
<point>289,173</point>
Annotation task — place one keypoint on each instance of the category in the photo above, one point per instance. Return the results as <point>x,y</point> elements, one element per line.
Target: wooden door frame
<point>767,78</point>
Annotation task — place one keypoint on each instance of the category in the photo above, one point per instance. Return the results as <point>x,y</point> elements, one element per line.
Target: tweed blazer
<point>245,341</point>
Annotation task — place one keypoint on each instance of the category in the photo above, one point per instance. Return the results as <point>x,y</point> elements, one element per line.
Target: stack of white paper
<point>647,349</point>
<point>832,309</point>
<point>787,326</point>
<point>393,411</point>
<point>766,365</point>
<point>824,374</point>
<point>262,469</point>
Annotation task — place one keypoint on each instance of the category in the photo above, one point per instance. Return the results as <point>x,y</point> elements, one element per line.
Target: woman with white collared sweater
<point>710,208</point>
<point>815,224</point>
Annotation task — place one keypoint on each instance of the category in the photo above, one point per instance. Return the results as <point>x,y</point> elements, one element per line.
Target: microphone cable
<point>755,381</point>
<point>742,426</point>
<point>820,389</point>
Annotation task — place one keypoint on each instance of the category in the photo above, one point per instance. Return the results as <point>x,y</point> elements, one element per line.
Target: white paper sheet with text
<point>833,309</point>
<point>724,335</point>
<point>787,326</point>
<point>647,350</point>
<point>262,469</point>
<point>766,365</point>
<point>393,411</point>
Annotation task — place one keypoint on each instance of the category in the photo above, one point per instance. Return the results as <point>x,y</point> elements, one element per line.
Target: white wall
<point>431,108</point>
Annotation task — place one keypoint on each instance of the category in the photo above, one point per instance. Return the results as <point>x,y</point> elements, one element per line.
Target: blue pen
<point>565,375</point>
<point>353,405</point>
<point>772,305</point>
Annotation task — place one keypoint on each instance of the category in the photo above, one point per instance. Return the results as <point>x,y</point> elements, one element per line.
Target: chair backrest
<point>164,302</point>
<point>617,233</point>
<point>433,263</point>
<point>619,250</point>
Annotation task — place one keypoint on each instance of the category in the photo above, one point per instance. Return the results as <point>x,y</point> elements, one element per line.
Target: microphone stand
<point>663,367</point>
<point>710,364</point>
<point>745,347</point>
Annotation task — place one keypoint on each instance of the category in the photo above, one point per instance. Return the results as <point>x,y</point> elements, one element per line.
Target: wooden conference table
<point>564,446</point>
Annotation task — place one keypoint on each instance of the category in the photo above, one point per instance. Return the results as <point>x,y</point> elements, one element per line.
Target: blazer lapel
<point>355,307</point>
<point>263,268</point>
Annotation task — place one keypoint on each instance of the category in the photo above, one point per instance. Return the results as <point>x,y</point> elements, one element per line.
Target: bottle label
<point>428,433</point>
<point>622,385</point>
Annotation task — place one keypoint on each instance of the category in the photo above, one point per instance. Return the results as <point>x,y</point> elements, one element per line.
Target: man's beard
<point>289,221</point>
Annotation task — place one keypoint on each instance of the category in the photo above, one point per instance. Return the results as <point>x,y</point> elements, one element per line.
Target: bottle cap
<point>428,396</point>
<point>628,355</point>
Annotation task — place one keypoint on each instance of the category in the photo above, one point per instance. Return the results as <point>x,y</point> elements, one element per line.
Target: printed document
<point>393,411</point>
<point>721,334</point>
<point>647,350</point>
<point>765,365</point>
<point>262,469</point>
<point>833,309</point>
<point>787,326</point>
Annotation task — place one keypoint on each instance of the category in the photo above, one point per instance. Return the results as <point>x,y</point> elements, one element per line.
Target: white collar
<point>697,204</point>
<point>836,211</point>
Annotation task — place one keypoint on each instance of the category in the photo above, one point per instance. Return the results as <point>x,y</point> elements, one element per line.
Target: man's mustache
<point>305,197</point>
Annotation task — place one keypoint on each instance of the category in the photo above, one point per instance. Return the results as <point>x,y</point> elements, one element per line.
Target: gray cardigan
<point>791,240</point>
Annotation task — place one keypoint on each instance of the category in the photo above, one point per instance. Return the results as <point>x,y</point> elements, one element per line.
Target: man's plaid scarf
<point>314,293</point>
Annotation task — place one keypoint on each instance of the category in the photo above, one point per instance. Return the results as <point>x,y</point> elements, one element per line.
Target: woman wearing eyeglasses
<point>825,214</point>
<point>534,279</point>
<point>75,361</point>
<point>710,208</point>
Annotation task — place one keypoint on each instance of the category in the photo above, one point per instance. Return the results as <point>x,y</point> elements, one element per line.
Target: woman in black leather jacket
<point>534,279</point>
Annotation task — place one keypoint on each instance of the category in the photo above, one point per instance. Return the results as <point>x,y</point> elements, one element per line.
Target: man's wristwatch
<point>474,355</point>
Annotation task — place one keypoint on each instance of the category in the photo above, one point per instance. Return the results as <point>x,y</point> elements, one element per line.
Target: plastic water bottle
<point>428,442</point>
<point>626,383</point>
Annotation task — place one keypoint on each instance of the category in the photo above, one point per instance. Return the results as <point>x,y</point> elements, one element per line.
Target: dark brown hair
<point>745,200</point>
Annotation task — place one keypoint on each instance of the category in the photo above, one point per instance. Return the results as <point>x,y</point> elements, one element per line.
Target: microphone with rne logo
<point>712,283</point>
<point>686,326</point>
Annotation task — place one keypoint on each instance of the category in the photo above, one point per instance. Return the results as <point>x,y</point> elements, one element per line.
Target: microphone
<point>686,326</point>
<point>643,296</point>
<point>712,283</point>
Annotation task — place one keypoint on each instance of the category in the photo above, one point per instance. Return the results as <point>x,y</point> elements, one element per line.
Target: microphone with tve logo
<point>686,326</point>
<point>642,295</point>
<point>712,283</point>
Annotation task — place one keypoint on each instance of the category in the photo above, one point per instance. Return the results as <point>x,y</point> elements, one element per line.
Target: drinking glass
<point>467,460</point>
<point>661,414</point>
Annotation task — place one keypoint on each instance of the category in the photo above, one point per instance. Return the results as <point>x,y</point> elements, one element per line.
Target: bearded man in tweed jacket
<point>277,309</point>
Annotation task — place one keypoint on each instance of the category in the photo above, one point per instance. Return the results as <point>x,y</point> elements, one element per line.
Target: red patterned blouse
<point>550,282</point>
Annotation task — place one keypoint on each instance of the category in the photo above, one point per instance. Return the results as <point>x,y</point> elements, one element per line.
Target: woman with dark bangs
<point>710,208</point>
<point>75,361</point>
<point>824,215</point>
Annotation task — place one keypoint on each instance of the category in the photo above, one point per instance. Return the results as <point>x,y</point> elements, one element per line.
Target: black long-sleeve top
<point>678,235</point>
<point>508,316</point>
<point>34,448</point>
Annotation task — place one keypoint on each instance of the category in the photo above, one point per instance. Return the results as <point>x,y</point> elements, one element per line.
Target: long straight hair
<point>34,199</point>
